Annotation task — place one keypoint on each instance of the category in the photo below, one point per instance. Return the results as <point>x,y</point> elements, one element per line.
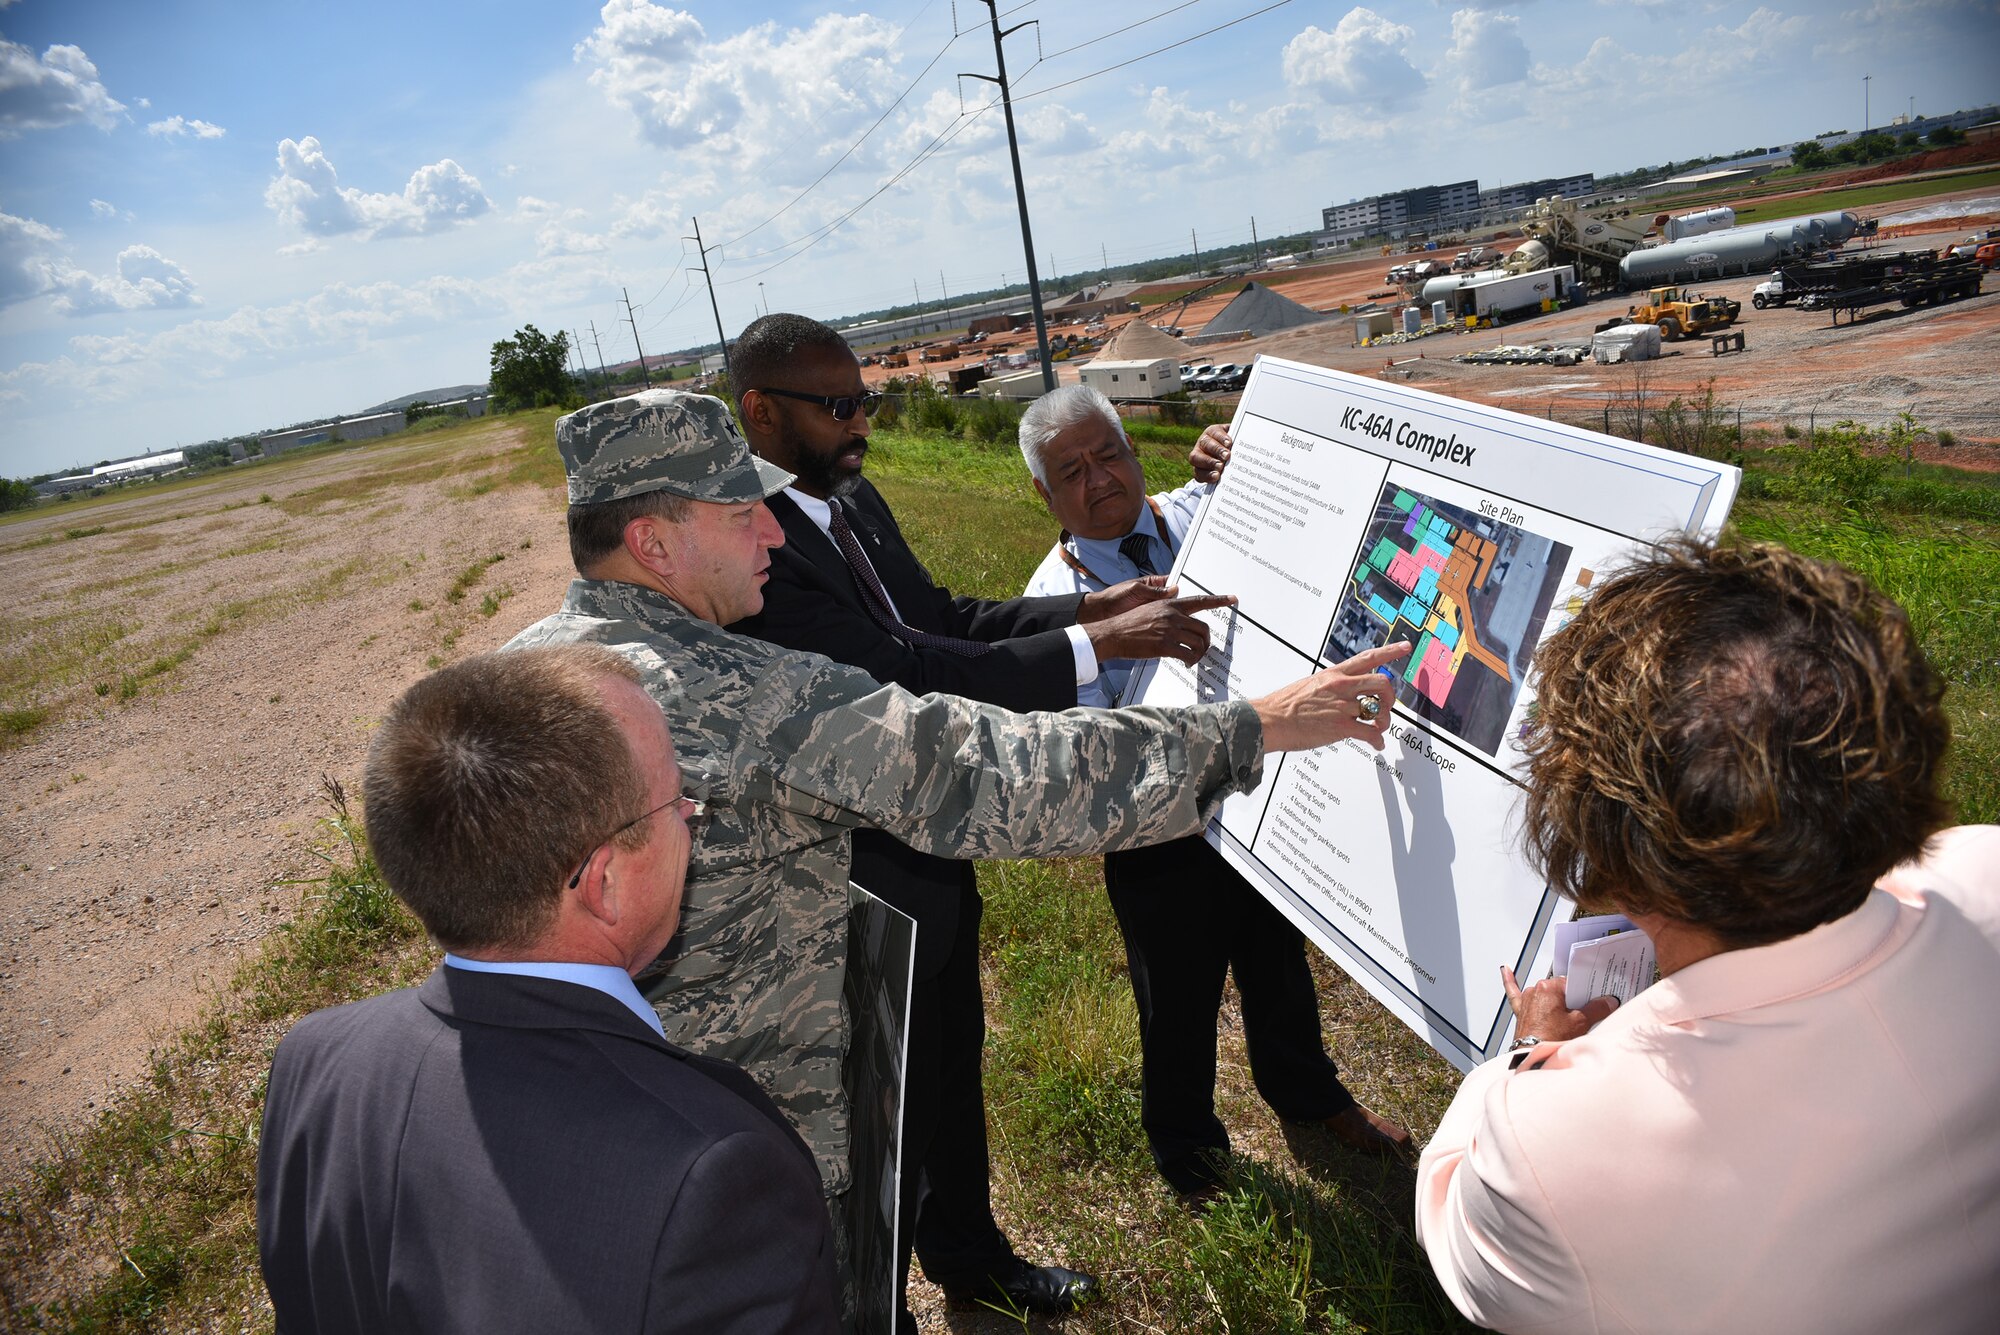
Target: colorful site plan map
<point>1359,511</point>
<point>1469,592</point>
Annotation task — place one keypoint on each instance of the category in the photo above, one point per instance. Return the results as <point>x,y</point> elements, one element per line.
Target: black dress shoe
<point>1027,1288</point>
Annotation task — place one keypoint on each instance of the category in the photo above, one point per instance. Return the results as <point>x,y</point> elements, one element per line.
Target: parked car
<point>1231,376</point>
<point>1187,373</point>
<point>1988,255</point>
<point>1204,377</point>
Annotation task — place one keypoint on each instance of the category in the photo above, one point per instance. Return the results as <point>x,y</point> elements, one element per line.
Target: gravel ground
<point>1936,363</point>
<point>151,843</point>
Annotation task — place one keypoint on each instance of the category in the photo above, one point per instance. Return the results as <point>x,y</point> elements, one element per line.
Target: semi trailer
<point>1852,285</point>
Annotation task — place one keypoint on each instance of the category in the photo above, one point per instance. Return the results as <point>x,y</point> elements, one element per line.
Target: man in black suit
<point>845,584</point>
<point>513,1145</point>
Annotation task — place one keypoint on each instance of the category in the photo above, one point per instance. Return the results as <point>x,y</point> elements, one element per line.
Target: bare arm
<point>1328,706</point>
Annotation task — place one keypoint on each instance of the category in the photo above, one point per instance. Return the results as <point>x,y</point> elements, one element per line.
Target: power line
<point>828,229</point>
<point>1206,32</point>
<point>670,276</point>
<point>1188,4</point>
<point>851,148</point>
<point>810,239</point>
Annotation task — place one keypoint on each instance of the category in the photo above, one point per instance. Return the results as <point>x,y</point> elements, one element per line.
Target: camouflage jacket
<point>792,751</point>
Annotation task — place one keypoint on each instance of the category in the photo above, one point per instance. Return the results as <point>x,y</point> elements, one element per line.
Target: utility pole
<point>1864,102</point>
<point>942,290</point>
<point>646,379</point>
<point>1020,187</point>
<point>579,356</point>
<point>600,354</point>
<point>763,300</point>
<point>1197,251</point>
<point>1104,255</point>
<point>709,278</point>
<point>1253,239</point>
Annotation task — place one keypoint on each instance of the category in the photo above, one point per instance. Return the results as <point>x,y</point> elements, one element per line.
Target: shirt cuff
<point>1086,657</point>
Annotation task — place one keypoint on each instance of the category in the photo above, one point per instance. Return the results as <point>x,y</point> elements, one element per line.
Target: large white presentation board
<point>1354,513</point>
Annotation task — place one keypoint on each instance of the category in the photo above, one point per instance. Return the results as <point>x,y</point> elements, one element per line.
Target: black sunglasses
<point>694,815</point>
<point>843,407</point>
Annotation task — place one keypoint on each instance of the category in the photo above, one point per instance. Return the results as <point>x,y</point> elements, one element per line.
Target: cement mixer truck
<point>1560,233</point>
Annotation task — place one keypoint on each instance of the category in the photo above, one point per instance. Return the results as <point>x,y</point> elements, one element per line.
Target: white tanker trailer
<point>1736,250</point>
<point>1699,224</point>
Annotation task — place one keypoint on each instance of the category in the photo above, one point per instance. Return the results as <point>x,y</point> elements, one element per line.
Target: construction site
<point>1770,307</point>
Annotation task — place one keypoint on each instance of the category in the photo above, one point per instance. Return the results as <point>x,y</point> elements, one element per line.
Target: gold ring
<point>1371,706</point>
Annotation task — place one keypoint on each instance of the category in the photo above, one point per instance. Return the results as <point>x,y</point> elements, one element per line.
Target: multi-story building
<point>1401,211</point>
<point>1431,207</point>
<point>1502,199</point>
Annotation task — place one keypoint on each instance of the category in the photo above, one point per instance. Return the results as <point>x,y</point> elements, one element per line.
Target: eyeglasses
<point>843,408</point>
<point>694,815</point>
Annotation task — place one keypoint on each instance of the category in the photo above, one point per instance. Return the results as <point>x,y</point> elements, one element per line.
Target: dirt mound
<point>1965,155</point>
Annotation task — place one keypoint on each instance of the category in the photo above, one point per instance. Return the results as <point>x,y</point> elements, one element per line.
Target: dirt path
<point>149,840</point>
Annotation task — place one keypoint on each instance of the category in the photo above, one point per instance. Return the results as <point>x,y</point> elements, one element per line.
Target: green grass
<point>471,575</point>
<point>1860,196</point>
<point>18,723</point>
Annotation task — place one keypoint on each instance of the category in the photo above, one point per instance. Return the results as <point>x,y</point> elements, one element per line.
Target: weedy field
<point>139,1218</point>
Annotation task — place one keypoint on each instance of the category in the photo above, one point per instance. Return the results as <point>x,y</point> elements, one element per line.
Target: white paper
<point>1567,934</point>
<point>1355,511</point>
<point>1611,966</point>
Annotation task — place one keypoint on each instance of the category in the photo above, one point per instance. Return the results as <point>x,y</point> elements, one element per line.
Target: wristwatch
<point>1519,1048</point>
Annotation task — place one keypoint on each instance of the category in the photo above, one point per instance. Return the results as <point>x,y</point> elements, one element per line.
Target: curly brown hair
<point>1733,736</point>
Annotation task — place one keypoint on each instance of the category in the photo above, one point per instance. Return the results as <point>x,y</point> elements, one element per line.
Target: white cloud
<point>1605,69</point>
<point>1362,60</point>
<point>60,87</point>
<point>1176,137</point>
<point>1486,51</point>
<point>654,214</point>
<point>176,127</point>
<point>146,280</point>
<point>34,262</point>
<point>536,210</point>
<point>1055,129</point>
<point>307,194</point>
<point>743,98</point>
<point>30,255</point>
<point>1763,37</point>
<point>345,317</point>
<point>552,242</point>
<point>104,208</point>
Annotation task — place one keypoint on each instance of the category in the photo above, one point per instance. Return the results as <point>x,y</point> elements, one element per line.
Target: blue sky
<point>221,218</point>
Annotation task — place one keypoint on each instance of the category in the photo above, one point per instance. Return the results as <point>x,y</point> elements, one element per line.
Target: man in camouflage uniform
<point>792,751</point>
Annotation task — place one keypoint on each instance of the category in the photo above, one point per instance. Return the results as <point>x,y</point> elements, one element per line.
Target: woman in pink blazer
<point>1797,1128</point>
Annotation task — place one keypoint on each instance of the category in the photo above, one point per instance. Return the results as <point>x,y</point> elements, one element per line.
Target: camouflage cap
<point>661,440</point>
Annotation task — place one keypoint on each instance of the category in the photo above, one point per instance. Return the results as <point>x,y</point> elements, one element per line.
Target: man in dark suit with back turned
<point>513,1145</point>
<point>847,585</point>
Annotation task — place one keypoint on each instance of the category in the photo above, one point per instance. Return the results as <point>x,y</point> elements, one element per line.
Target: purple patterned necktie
<point>876,599</point>
<point>1139,551</point>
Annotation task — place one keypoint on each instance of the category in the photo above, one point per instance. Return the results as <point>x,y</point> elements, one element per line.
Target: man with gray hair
<point>792,752</point>
<point>1189,919</point>
<point>848,584</point>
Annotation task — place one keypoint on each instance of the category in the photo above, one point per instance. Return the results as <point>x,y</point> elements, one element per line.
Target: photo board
<point>1357,512</point>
